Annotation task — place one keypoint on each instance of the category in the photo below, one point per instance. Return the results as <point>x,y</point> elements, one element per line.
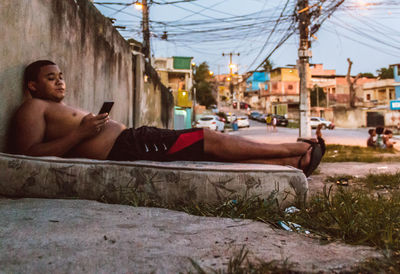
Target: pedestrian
<point>371,142</point>
<point>388,134</point>
<point>379,137</point>
<point>268,120</point>
<point>274,122</point>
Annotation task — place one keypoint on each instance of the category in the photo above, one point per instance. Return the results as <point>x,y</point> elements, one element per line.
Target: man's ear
<point>32,85</point>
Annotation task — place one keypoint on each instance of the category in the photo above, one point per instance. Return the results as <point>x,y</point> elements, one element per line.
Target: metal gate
<point>375,119</point>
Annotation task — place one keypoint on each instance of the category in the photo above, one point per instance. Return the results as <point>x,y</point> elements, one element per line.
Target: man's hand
<point>92,125</point>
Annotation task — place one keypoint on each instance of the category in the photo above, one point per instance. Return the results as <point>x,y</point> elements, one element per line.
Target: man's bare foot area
<point>304,160</point>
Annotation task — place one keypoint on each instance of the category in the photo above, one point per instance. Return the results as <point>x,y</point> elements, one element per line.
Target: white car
<point>243,121</point>
<point>315,121</point>
<point>231,117</point>
<point>212,122</point>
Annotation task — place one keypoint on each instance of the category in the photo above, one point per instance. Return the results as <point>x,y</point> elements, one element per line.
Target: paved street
<point>258,132</point>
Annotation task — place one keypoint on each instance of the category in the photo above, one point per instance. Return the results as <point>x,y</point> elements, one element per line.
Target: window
<point>274,86</point>
<point>290,86</point>
<point>368,97</point>
<point>398,70</point>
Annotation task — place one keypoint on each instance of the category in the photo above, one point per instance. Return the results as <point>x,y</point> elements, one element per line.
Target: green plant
<point>355,216</point>
<point>385,180</point>
<point>340,153</point>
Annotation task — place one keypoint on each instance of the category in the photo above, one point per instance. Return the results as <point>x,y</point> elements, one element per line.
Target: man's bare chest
<point>61,120</point>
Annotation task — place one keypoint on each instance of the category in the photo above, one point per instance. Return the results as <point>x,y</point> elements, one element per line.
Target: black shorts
<point>155,144</point>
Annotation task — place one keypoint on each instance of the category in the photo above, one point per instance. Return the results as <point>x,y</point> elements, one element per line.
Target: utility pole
<point>231,76</point>
<point>146,30</point>
<point>304,22</point>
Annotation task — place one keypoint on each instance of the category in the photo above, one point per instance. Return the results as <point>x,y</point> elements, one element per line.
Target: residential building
<point>396,74</point>
<point>282,96</point>
<point>379,92</point>
<point>176,73</point>
<point>256,89</point>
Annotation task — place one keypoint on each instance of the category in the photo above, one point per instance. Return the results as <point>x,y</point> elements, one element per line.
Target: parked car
<point>254,114</point>
<point>243,121</point>
<point>315,121</point>
<point>262,118</point>
<point>212,122</point>
<point>281,121</point>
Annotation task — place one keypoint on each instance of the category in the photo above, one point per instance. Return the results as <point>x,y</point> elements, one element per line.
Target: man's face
<point>50,84</point>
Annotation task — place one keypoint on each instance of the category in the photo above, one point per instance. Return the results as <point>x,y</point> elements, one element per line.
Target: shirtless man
<point>45,126</point>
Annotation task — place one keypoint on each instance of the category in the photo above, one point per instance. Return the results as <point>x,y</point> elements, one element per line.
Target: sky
<point>366,31</point>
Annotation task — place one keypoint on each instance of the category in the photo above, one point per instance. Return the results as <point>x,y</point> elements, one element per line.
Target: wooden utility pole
<point>231,76</point>
<point>146,30</point>
<point>304,55</point>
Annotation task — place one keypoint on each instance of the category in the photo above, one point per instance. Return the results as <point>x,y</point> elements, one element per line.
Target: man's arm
<point>30,128</point>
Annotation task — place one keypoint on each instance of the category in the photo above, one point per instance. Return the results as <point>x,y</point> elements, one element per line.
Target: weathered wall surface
<point>151,109</point>
<point>96,60</point>
<point>349,118</point>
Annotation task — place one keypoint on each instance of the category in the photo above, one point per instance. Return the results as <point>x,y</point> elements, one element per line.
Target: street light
<point>138,6</point>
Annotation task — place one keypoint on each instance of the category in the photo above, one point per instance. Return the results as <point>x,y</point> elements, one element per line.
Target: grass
<point>371,181</point>
<point>340,153</point>
<point>379,181</point>
<point>293,124</point>
<point>357,216</point>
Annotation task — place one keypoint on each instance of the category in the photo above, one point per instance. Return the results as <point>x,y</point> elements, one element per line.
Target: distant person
<point>379,137</point>
<point>388,134</point>
<point>45,126</point>
<point>268,120</point>
<point>371,142</point>
<point>274,122</point>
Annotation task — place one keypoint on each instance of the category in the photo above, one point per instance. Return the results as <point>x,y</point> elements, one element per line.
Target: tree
<point>367,75</point>
<point>352,83</point>
<point>385,73</point>
<point>202,84</point>
<point>268,65</point>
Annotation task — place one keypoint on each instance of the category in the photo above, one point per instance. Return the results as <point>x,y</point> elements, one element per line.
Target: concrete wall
<point>349,118</point>
<point>95,58</point>
<point>153,101</point>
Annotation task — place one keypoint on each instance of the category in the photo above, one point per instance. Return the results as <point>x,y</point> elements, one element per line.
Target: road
<point>258,132</point>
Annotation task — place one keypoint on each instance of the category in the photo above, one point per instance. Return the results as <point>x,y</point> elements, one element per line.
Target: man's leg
<point>238,149</point>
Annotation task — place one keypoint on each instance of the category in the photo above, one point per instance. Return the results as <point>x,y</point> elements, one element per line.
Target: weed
<point>379,181</point>
<point>355,217</point>
<point>340,153</point>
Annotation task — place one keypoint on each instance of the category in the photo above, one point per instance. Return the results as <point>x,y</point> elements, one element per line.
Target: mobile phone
<point>106,107</point>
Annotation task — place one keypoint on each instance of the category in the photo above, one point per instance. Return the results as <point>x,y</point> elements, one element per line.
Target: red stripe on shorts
<point>186,139</point>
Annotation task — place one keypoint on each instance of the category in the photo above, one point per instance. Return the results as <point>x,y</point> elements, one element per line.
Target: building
<point>176,73</point>
<point>379,92</point>
<point>256,89</point>
<point>282,96</point>
<point>396,74</point>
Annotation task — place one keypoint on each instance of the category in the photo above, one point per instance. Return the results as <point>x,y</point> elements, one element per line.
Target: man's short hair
<point>370,131</point>
<point>379,130</point>
<point>32,71</point>
<point>388,131</point>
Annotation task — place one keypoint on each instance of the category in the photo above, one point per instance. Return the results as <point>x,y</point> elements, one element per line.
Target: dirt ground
<point>316,182</point>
